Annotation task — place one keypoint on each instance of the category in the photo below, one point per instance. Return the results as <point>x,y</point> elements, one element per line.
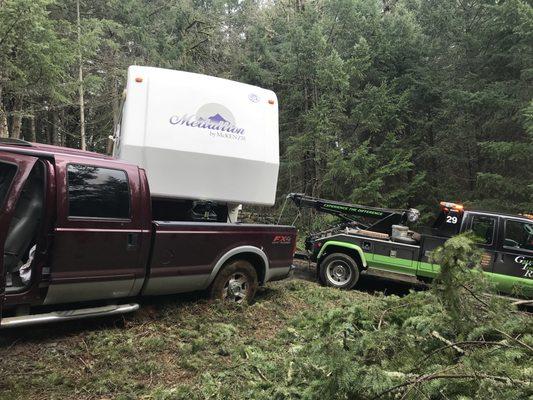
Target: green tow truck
<point>371,238</point>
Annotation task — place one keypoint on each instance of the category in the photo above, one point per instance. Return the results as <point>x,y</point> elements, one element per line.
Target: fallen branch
<point>475,296</point>
<point>437,335</point>
<point>516,340</point>
<point>198,44</point>
<point>522,302</point>
<point>260,373</point>
<point>466,343</point>
<point>431,377</point>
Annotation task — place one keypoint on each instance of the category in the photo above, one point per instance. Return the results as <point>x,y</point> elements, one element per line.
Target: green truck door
<point>484,229</point>
<point>513,268</point>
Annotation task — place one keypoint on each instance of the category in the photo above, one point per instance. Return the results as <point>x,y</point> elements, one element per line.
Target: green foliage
<point>460,272</point>
<point>451,342</point>
<point>298,341</point>
<point>390,103</point>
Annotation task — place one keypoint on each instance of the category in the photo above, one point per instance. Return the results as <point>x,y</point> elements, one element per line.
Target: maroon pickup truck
<point>80,227</point>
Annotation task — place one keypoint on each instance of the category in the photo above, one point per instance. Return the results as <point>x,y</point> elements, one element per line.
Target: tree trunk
<point>80,77</point>
<point>54,133</point>
<point>116,116</point>
<point>33,130</point>
<point>62,132</point>
<point>4,131</point>
<point>65,119</point>
<point>49,128</point>
<point>90,137</point>
<point>17,119</point>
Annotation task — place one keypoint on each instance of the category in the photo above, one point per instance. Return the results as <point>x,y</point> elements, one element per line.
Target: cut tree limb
<point>430,377</point>
<point>437,335</point>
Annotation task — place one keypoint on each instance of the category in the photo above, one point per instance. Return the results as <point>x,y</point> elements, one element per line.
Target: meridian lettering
<point>194,122</point>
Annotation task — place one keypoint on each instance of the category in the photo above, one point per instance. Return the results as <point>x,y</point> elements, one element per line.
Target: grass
<point>173,348</point>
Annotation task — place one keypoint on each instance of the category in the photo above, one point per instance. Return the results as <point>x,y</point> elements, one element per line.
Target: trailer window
<point>483,228</point>
<point>519,235</point>
<point>95,192</point>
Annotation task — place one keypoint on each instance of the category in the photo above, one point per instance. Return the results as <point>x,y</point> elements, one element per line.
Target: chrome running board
<point>67,315</point>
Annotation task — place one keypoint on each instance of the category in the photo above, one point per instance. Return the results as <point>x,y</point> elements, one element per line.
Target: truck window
<point>95,192</point>
<point>519,235</point>
<point>483,228</point>
<point>7,172</point>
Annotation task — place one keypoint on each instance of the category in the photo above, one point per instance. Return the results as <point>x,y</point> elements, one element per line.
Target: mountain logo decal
<point>214,118</point>
<point>217,118</point>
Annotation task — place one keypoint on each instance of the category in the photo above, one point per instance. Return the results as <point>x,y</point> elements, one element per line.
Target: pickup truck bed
<point>197,251</point>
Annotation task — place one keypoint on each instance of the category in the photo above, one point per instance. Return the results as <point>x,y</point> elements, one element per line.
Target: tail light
<point>294,244</point>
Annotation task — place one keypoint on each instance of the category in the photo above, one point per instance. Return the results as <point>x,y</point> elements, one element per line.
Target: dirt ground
<point>172,347</point>
<point>372,282</point>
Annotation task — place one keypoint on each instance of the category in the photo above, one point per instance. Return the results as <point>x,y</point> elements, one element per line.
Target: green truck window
<point>519,235</point>
<point>483,228</point>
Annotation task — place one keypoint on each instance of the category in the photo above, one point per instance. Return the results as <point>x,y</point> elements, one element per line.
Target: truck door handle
<point>133,240</point>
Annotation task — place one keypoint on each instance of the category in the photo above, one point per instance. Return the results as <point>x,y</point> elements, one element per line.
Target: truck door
<point>14,170</point>
<point>101,238</point>
<point>514,261</point>
<point>484,229</point>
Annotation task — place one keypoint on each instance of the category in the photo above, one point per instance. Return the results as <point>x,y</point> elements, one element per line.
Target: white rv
<point>200,137</point>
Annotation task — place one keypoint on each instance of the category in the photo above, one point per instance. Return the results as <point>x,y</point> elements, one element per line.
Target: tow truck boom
<point>384,217</point>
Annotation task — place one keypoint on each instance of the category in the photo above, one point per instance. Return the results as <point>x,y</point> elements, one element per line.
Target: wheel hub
<point>235,288</point>
<point>338,273</point>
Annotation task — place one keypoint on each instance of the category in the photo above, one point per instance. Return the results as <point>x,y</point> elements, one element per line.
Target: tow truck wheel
<point>339,270</point>
<point>236,282</point>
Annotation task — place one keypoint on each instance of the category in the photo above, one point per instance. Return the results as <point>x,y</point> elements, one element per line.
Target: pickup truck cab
<point>506,241</point>
<point>79,227</point>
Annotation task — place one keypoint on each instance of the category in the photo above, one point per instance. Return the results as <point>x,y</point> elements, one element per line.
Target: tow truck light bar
<point>446,206</point>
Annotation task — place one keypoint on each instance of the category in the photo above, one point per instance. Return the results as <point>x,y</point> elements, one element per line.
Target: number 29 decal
<point>451,220</point>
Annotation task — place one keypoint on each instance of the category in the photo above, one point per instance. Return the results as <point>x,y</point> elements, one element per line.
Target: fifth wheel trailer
<point>200,137</point>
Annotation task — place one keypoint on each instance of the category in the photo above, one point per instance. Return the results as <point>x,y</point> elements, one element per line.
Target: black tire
<point>236,282</point>
<point>340,271</point>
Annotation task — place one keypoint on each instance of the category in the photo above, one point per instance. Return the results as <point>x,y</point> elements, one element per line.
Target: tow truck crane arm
<point>384,217</point>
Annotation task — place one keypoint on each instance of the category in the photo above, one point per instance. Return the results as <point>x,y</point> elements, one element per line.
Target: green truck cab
<point>343,252</point>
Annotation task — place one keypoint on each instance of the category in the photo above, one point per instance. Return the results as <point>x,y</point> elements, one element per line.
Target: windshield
<point>7,172</point>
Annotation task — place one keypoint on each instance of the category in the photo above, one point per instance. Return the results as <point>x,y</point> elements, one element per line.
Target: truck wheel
<point>236,282</point>
<point>339,270</point>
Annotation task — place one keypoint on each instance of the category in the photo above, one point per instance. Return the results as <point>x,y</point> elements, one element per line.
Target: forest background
<point>389,103</point>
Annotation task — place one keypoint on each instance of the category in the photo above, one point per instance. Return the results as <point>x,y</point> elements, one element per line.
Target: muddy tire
<point>340,271</point>
<point>236,282</point>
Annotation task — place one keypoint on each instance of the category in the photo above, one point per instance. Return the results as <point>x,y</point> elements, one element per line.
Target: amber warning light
<point>447,206</point>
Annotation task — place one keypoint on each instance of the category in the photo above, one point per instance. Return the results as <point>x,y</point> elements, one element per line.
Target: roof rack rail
<point>16,142</point>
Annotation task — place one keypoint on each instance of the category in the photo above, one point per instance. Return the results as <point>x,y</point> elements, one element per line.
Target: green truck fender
<point>350,246</point>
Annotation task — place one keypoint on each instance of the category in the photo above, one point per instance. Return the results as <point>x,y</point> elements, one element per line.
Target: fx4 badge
<point>280,239</point>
